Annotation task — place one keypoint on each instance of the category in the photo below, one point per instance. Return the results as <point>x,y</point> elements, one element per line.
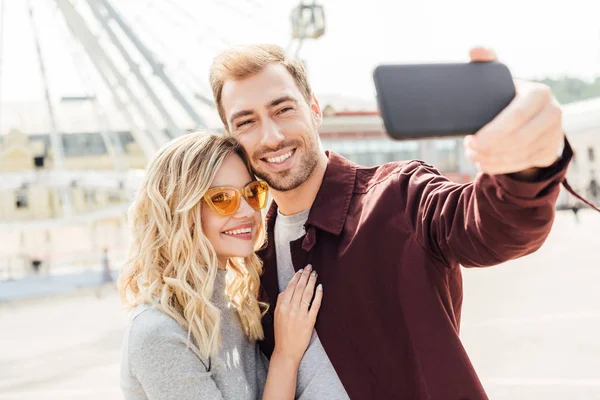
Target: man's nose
<point>271,135</point>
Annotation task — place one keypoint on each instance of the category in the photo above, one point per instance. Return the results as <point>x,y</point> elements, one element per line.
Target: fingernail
<point>309,267</point>
<point>320,287</point>
<point>300,270</point>
<point>314,273</point>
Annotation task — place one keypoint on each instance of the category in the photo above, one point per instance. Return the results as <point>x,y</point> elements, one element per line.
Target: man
<point>387,242</point>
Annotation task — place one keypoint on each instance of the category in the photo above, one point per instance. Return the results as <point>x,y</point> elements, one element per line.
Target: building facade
<point>33,229</point>
<point>360,136</point>
<point>32,217</point>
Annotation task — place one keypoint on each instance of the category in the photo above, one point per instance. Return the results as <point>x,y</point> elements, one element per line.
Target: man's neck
<point>294,201</point>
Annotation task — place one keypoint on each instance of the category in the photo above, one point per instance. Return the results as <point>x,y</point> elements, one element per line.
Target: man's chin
<point>282,182</point>
<point>290,178</point>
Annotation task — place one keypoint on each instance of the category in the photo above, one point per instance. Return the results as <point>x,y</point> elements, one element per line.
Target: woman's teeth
<point>238,231</point>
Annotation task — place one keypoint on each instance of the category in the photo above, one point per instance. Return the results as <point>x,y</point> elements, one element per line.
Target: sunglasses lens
<point>257,194</point>
<point>225,201</point>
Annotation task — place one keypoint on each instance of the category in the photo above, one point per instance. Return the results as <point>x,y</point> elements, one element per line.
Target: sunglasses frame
<point>240,193</point>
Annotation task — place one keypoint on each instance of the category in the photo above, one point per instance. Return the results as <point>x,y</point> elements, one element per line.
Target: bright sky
<point>532,37</point>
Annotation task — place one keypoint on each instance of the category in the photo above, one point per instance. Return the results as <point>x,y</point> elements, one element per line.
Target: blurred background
<point>90,89</point>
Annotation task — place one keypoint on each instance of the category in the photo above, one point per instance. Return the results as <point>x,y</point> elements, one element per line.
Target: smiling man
<point>387,241</point>
<point>275,155</point>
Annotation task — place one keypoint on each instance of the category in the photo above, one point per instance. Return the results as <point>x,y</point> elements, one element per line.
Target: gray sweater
<point>157,362</point>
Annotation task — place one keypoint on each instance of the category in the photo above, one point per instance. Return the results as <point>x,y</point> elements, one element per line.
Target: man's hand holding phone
<point>511,126</point>
<point>527,135</point>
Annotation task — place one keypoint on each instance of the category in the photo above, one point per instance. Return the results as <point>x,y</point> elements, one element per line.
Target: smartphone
<point>441,100</point>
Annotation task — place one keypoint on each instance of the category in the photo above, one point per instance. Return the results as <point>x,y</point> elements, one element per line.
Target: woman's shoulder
<point>155,337</point>
<point>149,324</point>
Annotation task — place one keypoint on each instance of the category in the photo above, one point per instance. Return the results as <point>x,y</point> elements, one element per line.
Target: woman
<point>192,281</point>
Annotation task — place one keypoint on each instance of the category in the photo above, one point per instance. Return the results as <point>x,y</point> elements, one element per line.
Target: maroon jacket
<point>388,242</point>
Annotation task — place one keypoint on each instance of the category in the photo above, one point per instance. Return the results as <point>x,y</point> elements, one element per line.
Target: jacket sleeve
<point>491,220</point>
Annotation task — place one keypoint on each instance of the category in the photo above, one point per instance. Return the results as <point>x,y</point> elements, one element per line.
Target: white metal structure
<point>110,58</point>
<point>133,74</point>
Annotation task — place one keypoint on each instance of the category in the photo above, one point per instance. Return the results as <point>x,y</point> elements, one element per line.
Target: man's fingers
<point>540,155</point>
<point>482,54</point>
<point>316,303</point>
<point>514,116</point>
<point>533,144</point>
<point>519,142</point>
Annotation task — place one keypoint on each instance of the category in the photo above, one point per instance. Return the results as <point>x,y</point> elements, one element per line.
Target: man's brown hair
<point>244,61</point>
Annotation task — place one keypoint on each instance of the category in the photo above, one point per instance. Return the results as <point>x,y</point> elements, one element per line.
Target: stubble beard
<point>293,178</point>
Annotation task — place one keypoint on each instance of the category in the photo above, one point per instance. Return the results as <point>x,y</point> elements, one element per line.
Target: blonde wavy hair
<point>172,264</point>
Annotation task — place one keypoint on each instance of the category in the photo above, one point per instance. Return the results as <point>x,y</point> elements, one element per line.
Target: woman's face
<point>233,235</point>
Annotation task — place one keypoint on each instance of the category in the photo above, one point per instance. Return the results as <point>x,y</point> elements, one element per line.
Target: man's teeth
<point>238,231</point>
<point>280,158</point>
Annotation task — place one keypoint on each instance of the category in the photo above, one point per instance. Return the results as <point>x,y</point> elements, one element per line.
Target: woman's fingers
<point>309,291</point>
<point>300,286</point>
<point>316,303</point>
<point>300,291</point>
<point>287,295</point>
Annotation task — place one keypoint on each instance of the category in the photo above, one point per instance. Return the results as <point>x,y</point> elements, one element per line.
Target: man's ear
<point>315,108</point>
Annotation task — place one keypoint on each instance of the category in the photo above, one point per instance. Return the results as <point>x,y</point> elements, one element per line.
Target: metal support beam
<point>171,126</point>
<point>55,137</point>
<point>114,80</point>
<point>157,67</point>
<point>110,138</point>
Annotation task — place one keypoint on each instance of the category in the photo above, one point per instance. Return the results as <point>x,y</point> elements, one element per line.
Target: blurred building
<point>361,137</point>
<point>33,229</point>
<point>582,123</point>
<point>32,218</point>
<point>21,154</point>
<point>357,132</point>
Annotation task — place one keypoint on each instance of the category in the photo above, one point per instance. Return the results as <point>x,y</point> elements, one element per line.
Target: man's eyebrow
<point>280,100</point>
<point>238,114</point>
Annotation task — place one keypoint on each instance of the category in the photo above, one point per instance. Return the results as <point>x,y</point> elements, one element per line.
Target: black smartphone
<point>441,100</point>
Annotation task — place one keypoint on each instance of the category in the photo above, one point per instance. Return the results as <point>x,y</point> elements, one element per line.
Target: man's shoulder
<point>369,177</point>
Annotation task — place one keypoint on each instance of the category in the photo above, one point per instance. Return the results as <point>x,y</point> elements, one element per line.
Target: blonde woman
<point>192,281</point>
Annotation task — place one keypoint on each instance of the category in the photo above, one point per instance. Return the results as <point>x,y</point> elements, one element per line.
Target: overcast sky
<point>532,37</point>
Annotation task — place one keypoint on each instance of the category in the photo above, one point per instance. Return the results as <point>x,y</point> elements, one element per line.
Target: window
<point>114,196</point>
<point>38,162</point>
<point>21,198</point>
<point>89,196</point>
<point>591,154</point>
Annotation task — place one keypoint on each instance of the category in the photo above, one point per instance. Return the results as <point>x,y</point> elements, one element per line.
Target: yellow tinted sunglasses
<point>225,200</point>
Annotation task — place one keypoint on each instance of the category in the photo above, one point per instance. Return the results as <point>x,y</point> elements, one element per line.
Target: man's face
<point>269,116</point>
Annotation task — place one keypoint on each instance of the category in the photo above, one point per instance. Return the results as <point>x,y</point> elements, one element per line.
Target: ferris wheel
<point>136,69</point>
